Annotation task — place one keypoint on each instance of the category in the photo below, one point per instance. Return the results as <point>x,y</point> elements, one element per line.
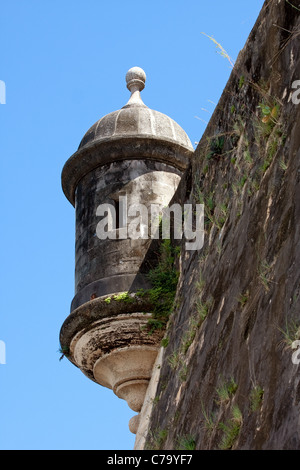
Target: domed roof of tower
<point>135,119</point>
<point>133,132</point>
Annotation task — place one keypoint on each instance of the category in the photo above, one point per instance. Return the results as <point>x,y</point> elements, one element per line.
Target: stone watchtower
<point>131,156</point>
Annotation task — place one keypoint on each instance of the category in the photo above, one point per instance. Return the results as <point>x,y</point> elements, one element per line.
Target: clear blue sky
<point>64,64</point>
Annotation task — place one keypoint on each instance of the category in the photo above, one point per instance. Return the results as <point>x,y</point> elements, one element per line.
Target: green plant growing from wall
<point>202,310</point>
<point>256,398</point>
<point>200,284</point>
<point>283,165</point>
<point>216,147</point>
<point>274,142</point>
<point>220,49</point>
<point>164,279</point>
<point>157,439</point>
<point>242,181</point>
<point>241,81</point>
<point>174,360</point>
<point>220,214</point>
<point>231,429</point>
<point>214,215</point>
<point>122,297</point>
<point>209,420</point>
<point>253,185</point>
<point>189,335</point>
<point>197,191</point>
<point>291,332</point>
<point>186,442</point>
<point>64,351</point>
<point>247,156</point>
<point>164,342</point>
<point>224,209</point>
<point>238,129</point>
<point>243,298</point>
<point>264,274</point>
<point>155,400</point>
<point>269,115</point>
<point>226,391</point>
<point>183,373</point>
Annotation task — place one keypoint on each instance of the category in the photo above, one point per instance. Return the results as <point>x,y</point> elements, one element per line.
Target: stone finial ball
<point>135,78</point>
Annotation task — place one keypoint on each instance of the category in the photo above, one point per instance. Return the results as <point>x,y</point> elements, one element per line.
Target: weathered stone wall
<point>227,379</point>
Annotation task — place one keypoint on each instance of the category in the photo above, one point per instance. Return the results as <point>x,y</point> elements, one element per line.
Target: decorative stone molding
<point>127,372</point>
<point>111,334</point>
<point>118,352</point>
